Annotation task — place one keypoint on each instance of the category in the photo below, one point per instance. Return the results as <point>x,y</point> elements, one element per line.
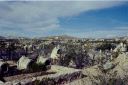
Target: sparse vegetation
<point>74,54</point>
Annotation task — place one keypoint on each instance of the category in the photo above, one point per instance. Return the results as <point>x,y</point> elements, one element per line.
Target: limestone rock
<point>23,63</point>
<point>108,66</point>
<point>41,60</point>
<point>54,54</point>
<point>1,83</point>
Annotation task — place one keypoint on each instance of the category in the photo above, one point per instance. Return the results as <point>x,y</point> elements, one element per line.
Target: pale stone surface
<point>60,73</point>
<point>121,62</point>
<point>8,83</point>
<point>23,63</point>
<point>94,74</point>
<point>108,65</point>
<point>41,60</point>
<point>93,71</point>
<point>121,47</point>
<point>1,82</point>
<point>54,54</point>
<point>26,82</point>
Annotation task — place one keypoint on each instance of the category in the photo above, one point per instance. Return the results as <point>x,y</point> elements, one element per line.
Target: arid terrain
<point>63,42</point>
<point>64,61</point>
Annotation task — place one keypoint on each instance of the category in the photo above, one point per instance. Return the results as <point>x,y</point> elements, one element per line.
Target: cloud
<point>34,17</point>
<point>122,28</point>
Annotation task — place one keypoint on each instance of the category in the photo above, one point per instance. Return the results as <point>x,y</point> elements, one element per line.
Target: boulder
<point>24,63</point>
<point>3,67</point>
<point>1,83</point>
<point>54,54</point>
<point>42,60</point>
<point>108,65</point>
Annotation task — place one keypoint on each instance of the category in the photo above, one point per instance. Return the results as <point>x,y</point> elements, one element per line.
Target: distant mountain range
<point>12,37</point>
<point>48,37</point>
<point>55,37</point>
<point>1,37</point>
<point>59,37</point>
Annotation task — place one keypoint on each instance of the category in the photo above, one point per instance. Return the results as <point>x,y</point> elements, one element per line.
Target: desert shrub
<point>76,54</point>
<point>47,81</point>
<point>36,82</point>
<point>115,54</point>
<point>105,46</point>
<point>116,81</point>
<point>37,67</point>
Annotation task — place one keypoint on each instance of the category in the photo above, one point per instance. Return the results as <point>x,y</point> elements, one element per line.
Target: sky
<point>85,19</point>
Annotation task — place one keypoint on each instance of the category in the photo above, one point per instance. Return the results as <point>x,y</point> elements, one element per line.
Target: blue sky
<point>93,19</point>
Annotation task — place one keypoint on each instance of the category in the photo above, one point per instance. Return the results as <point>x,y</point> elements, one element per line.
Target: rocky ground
<point>58,75</point>
<point>115,73</point>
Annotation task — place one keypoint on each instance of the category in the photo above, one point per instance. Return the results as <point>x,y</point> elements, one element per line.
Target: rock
<point>3,67</point>
<point>121,48</point>
<point>121,68</point>
<point>42,60</point>
<point>54,54</point>
<point>16,83</point>
<point>24,63</point>
<point>8,83</point>
<point>72,64</point>
<point>94,76</point>
<point>26,82</point>
<point>108,66</point>
<point>93,71</point>
<point>1,83</point>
